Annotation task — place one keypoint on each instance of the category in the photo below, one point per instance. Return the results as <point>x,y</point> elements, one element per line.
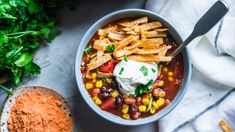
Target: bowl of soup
<point>124,69</point>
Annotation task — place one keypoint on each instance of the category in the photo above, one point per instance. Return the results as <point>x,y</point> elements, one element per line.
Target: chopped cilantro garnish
<point>153,70</point>
<point>88,49</point>
<point>110,48</point>
<point>121,71</point>
<point>144,70</point>
<point>144,88</point>
<point>125,58</point>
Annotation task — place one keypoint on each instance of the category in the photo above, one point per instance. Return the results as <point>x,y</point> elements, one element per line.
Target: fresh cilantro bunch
<point>24,25</point>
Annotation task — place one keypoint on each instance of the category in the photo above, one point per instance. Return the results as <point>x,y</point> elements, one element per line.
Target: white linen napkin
<point>212,56</point>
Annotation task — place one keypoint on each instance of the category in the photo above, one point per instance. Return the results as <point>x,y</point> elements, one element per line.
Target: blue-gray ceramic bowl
<point>129,13</point>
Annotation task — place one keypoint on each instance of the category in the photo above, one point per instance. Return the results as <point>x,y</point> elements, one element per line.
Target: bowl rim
<point>111,117</point>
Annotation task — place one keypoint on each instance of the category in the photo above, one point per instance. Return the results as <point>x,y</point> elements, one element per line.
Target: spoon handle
<point>205,23</point>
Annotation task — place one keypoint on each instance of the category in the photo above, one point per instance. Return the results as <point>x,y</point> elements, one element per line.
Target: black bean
<point>103,89</point>
<point>104,95</point>
<point>109,90</point>
<point>133,108</point>
<point>118,101</point>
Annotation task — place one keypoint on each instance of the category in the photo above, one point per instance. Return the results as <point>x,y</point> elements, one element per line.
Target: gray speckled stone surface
<point>57,62</point>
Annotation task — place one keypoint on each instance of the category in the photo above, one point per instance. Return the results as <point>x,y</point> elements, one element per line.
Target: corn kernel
<point>88,76</point>
<point>114,93</point>
<point>142,108</point>
<point>98,101</point>
<point>93,80</point>
<point>108,80</point>
<point>165,69</point>
<point>160,83</point>
<point>101,37</point>
<point>94,98</point>
<point>171,79</point>
<point>125,108</point>
<point>89,85</point>
<point>152,110</point>
<point>99,84</point>
<point>126,116</point>
<point>162,94</point>
<point>125,95</point>
<point>160,102</point>
<point>145,101</point>
<point>155,105</point>
<point>170,74</point>
<point>93,75</point>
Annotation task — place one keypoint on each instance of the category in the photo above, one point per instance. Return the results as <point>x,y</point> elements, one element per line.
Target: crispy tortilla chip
<point>133,45</point>
<point>225,126</point>
<point>152,51</point>
<point>132,32</point>
<point>105,31</point>
<point>151,43</point>
<point>120,53</point>
<point>95,62</point>
<point>115,36</point>
<point>135,22</point>
<point>148,26</point>
<point>104,75</point>
<point>101,44</point>
<point>125,42</point>
<point>161,29</point>
<point>152,34</point>
<point>147,58</point>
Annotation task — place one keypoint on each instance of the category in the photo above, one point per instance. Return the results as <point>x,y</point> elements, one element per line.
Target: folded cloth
<point>212,55</point>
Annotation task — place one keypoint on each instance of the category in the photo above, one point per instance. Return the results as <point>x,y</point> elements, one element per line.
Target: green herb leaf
<point>144,88</point>
<point>153,70</point>
<point>125,58</point>
<point>32,68</point>
<point>110,48</point>
<point>24,59</point>
<point>88,49</point>
<point>144,70</point>
<point>121,71</point>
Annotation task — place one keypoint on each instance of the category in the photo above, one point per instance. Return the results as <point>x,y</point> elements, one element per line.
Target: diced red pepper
<point>108,104</point>
<point>108,66</point>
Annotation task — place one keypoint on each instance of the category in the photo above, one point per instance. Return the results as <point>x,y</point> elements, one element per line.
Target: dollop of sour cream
<point>129,74</point>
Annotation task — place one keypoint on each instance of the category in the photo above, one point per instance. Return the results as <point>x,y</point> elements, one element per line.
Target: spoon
<point>205,23</point>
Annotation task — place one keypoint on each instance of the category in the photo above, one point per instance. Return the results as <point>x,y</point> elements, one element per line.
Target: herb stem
<point>9,91</point>
<point>24,32</point>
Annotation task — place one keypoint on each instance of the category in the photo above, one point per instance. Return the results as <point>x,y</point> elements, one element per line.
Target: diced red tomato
<point>108,66</point>
<point>108,104</point>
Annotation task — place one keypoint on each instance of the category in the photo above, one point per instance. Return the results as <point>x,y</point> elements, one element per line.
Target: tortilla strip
<point>152,51</point>
<point>101,44</point>
<point>151,42</point>
<point>225,126</point>
<point>151,34</point>
<point>103,74</point>
<point>105,31</point>
<point>148,26</point>
<point>95,62</point>
<point>133,45</point>
<point>161,29</point>
<point>120,53</point>
<point>115,36</point>
<point>125,42</point>
<point>135,22</point>
<point>132,32</point>
<point>147,58</point>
